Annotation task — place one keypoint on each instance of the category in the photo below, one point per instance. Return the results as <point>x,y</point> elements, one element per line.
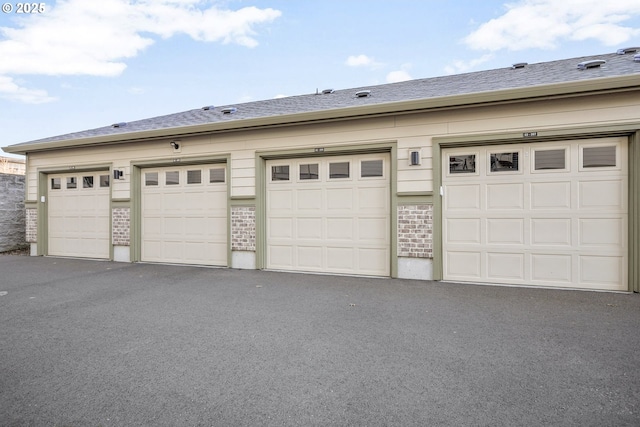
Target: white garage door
<point>78,215</point>
<point>548,214</point>
<point>184,215</point>
<point>329,214</point>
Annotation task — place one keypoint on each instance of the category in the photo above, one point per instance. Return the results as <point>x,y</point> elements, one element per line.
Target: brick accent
<point>243,228</point>
<point>31,221</point>
<point>415,231</point>
<point>121,226</point>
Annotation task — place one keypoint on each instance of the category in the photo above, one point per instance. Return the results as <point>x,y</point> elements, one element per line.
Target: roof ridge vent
<point>327,91</point>
<point>518,65</point>
<point>119,125</point>
<point>363,93</point>
<point>208,107</point>
<point>585,65</point>
<point>627,50</point>
<point>229,110</point>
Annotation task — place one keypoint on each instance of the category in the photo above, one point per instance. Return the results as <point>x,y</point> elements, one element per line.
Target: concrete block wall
<point>12,211</point>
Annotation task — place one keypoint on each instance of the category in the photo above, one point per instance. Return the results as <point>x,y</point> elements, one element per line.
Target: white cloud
<point>544,24</point>
<point>458,67</point>
<point>9,89</point>
<point>401,75</point>
<point>361,61</point>
<point>79,37</point>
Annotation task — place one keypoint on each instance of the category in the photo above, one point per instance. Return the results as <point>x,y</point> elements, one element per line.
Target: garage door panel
<point>184,222</point>
<point>551,231</point>
<point>463,264</point>
<point>505,231</point>
<point>552,268</point>
<point>309,228</point>
<point>551,195</point>
<point>462,197</point>
<point>310,257</point>
<point>373,230</point>
<point>603,232</point>
<point>463,230</point>
<point>78,220</point>
<point>340,229</point>
<point>600,195</point>
<point>571,231</point>
<point>371,260</point>
<point>505,266</point>
<point>602,271</point>
<point>309,200</point>
<point>334,217</point>
<point>505,196</point>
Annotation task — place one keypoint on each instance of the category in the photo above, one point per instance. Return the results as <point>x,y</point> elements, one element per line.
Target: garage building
<point>525,175</point>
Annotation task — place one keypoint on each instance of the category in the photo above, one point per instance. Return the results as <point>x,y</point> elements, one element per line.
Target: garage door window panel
<point>55,184</point>
<point>151,179</point>
<point>194,176</point>
<point>339,170</point>
<point>504,162</point>
<point>172,178</point>
<point>371,169</point>
<point>104,181</point>
<point>72,182</point>
<point>599,158</point>
<point>309,171</point>
<point>463,164</point>
<point>216,175</point>
<point>553,159</point>
<point>280,173</point>
<point>87,182</point>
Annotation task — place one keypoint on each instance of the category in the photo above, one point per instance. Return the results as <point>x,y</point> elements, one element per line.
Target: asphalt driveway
<point>87,343</point>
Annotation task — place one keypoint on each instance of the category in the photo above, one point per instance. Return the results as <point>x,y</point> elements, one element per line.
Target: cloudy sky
<point>70,65</point>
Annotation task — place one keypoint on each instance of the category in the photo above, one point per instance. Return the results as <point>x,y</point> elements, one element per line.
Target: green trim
<point>505,96</point>
<point>135,232</point>
<point>261,158</point>
<point>415,199</point>
<point>242,198</point>
<point>243,202</point>
<point>42,233</point>
<point>634,213</point>
<point>120,203</point>
<point>31,204</point>
<point>630,130</point>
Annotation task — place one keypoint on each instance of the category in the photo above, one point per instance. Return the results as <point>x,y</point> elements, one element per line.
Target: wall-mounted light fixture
<point>175,144</point>
<point>117,174</point>
<point>414,157</point>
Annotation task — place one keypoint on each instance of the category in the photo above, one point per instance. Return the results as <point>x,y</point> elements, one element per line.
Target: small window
<point>216,175</point>
<point>371,168</point>
<point>599,157</point>
<point>194,177</point>
<point>309,171</point>
<point>462,163</point>
<point>72,182</point>
<point>339,170</point>
<point>550,159</point>
<point>280,173</point>
<point>172,177</point>
<point>151,178</point>
<point>504,162</point>
<point>104,181</point>
<point>87,182</point>
<point>55,184</point>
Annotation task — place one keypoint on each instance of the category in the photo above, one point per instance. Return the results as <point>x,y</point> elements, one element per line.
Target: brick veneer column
<point>243,228</point>
<point>415,231</point>
<point>121,226</point>
<point>31,225</point>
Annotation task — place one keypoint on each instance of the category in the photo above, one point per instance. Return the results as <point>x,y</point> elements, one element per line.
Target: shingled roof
<point>344,101</point>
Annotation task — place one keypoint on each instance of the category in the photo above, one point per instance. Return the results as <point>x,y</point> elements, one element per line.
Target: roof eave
<point>574,88</point>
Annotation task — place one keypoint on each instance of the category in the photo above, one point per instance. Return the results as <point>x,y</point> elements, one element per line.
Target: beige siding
<point>408,131</point>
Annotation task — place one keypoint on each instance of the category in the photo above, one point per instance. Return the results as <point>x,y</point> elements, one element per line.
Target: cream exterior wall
<point>408,131</point>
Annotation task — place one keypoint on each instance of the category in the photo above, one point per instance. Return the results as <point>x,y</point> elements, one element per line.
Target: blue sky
<point>80,64</point>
